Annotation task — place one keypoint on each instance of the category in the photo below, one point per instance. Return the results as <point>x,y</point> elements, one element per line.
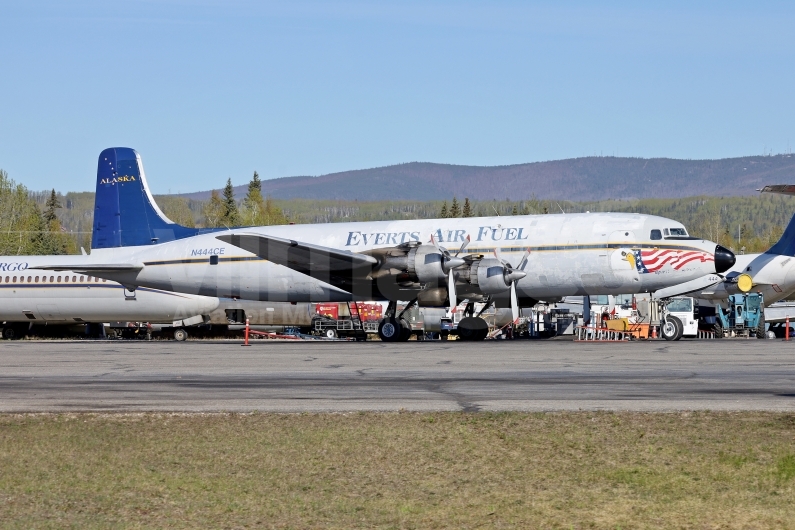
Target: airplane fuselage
<point>570,254</point>
<point>29,295</point>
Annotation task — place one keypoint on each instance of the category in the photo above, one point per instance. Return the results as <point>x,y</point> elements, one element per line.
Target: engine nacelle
<point>420,263</point>
<point>488,274</point>
<point>425,264</point>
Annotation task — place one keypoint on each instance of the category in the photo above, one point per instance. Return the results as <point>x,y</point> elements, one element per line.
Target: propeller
<point>450,262</point>
<point>513,275</point>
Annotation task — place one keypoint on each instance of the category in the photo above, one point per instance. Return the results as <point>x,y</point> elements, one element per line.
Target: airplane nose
<point>724,259</point>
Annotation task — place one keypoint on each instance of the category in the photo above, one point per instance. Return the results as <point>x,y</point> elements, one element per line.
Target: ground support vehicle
<point>331,329</point>
<point>744,316</point>
<point>678,318</point>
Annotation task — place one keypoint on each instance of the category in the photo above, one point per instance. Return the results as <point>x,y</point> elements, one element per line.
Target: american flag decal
<point>654,259</point>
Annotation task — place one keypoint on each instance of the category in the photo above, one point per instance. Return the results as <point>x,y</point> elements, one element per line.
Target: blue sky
<point>209,90</point>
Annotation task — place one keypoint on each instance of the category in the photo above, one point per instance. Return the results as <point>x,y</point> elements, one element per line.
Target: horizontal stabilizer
<point>699,284</point>
<point>92,268</point>
<point>313,260</point>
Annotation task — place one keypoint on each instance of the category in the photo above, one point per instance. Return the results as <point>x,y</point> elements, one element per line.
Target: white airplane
<point>511,261</point>
<point>32,297</point>
<point>29,298</point>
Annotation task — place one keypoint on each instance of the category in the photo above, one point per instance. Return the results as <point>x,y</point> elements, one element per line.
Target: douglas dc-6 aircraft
<point>511,261</point>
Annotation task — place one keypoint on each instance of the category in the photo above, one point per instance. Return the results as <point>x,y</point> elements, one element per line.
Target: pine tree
<point>443,214</point>
<point>273,214</point>
<point>467,212</point>
<point>214,211</point>
<point>253,204</point>
<point>455,209</point>
<point>231,214</point>
<point>515,210</point>
<point>49,210</point>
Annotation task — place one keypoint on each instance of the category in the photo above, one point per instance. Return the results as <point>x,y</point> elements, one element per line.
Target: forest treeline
<point>25,228</point>
<point>751,223</point>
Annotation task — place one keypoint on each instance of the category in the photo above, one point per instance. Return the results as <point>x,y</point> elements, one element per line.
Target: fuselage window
<point>74,279</point>
<point>15,279</point>
<point>52,279</point>
<point>104,280</point>
<point>655,235</point>
<point>37,279</point>
<point>59,279</point>
<point>81,279</point>
<point>29,279</point>
<point>66,279</point>
<point>678,232</point>
<point>96,280</point>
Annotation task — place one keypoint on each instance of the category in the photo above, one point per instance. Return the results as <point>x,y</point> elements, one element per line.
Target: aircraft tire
<point>760,328</point>
<point>180,335</point>
<point>672,328</point>
<point>472,329</point>
<point>719,333</point>
<point>14,331</point>
<point>390,330</point>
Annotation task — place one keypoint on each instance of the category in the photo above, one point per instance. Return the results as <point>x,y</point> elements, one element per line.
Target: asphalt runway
<point>203,376</point>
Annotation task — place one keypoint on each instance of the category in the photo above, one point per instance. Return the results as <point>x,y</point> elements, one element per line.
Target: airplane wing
<point>692,286</point>
<point>340,268</point>
<point>94,267</point>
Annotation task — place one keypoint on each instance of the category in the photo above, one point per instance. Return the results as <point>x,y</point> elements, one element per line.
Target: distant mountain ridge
<point>575,179</point>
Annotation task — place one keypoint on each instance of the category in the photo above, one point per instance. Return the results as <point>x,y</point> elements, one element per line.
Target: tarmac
<point>523,375</point>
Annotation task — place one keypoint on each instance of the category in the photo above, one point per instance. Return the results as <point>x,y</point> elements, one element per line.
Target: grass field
<point>399,470</point>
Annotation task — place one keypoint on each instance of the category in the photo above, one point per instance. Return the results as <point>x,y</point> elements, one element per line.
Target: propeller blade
<point>443,251</point>
<point>463,246</point>
<point>498,255</point>
<point>514,303</point>
<point>523,263</point>
<point>451,290</point>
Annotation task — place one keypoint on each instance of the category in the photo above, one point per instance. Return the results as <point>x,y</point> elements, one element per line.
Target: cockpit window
<point>655,235</point>
<point>678,232</point>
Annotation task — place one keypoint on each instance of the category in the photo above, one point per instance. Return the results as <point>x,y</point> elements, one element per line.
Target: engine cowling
<point>488,274</point>
<point>412,263</point>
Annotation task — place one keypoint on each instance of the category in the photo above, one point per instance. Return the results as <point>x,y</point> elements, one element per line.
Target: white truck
<point>678,318</point>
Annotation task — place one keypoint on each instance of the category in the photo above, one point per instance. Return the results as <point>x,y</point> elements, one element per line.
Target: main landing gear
<point>472,328</point>
<point>394,328</point>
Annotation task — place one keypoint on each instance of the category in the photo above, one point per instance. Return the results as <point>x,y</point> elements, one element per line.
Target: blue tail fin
<point>785,246</point>
<point>125,214</point>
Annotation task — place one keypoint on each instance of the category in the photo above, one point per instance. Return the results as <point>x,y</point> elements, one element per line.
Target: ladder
<point>360,329</point>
